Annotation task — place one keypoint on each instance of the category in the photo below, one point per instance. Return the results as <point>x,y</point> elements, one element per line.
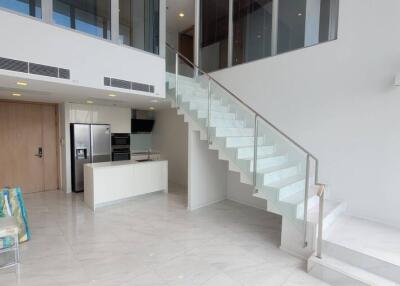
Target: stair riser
<point>242,142</point>
<point>291,189</point>
<point>333,277</point>
<point>248,152</point>
<point>265,163</point>
<point>280,175</point>
<point>225,132</point>
<point>199,99</point>
<point>204,107</point>
<point>216,115</point>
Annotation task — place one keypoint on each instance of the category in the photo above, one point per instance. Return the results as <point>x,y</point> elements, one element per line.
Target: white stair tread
<point>266,156</point>
<point>286,182</point>
<point>297,198</point>
<point>352,271</point>
<point>276,168</point>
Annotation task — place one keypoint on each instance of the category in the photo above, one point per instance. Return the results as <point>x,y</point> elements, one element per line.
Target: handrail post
<point>307,185</point>
<point>176,78</point>
<point>255,152</point>
<point>209,113</point>
<point>321,194</point>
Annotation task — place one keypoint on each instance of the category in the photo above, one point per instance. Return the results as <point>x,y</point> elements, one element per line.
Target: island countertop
<point>111,182</point>
<point>119,163</point>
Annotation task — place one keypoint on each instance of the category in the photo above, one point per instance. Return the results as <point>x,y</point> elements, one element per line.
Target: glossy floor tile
<point>152,240</point>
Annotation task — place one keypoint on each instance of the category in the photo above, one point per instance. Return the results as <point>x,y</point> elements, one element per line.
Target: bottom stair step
<point>337,272</point>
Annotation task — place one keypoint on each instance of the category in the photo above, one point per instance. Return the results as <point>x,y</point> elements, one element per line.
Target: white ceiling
<point>49,92</point>
<point>176,23</point>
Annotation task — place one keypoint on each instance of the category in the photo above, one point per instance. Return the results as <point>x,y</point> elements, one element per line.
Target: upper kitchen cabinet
<point>118,117</point>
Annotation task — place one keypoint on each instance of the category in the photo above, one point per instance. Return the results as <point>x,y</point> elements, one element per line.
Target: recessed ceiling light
<point>151,108</point>
<point>89,101</point>
<point>16,94</point>
<point>22,83</point>
<point>181,14</point>
<point>112,95</point>
<point>154,100</point>
<point>300,14</point>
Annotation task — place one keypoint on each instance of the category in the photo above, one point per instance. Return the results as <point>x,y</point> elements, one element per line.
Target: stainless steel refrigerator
<point>90,143</point>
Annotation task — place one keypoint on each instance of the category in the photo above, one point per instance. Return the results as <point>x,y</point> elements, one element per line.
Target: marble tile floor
<point>367,237</point>
<point>152,240</point>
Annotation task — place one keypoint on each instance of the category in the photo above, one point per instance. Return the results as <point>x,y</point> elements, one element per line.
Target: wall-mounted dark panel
<point>43,70</point>
<point>140,86</point>
<point>114,82</point>
<point>120,83</point>
<point>32,68</point>
<point>13,65</point>
<point>63,73</point>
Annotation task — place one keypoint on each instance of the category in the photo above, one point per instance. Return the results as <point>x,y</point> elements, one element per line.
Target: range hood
<point>142,125</point>
<point>142,121</point>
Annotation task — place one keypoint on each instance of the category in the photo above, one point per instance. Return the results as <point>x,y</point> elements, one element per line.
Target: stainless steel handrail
<point>257,115</point>
<point>243,103</point>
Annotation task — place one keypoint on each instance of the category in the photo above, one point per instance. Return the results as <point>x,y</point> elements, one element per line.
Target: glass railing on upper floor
<point>279,168</point>
<point>233,32</point>
<point>137,21</point>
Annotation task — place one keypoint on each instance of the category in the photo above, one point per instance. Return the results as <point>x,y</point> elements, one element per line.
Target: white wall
<point>170,137</point>
<point>118,117</point>
<point>338,101</point>
<point>242,193</point>
<point>207,174</point>
<point>89,59</point>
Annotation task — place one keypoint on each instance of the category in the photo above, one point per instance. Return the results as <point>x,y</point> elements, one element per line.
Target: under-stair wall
<point>207,175</point>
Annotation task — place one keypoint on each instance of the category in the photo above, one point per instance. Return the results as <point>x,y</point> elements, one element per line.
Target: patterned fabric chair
<point>9,232</point>
<point>14,227</point>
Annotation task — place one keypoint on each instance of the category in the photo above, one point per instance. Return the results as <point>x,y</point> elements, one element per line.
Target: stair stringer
<point>203,136</point>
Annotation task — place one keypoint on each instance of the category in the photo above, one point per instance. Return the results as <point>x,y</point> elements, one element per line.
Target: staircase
<point>282,172</point>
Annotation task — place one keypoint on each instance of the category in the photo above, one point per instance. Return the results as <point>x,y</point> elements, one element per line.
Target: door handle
<point>39,153</point>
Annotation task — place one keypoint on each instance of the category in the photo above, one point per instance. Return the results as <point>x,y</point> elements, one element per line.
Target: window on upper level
<point>139,24</point>
<point>240,31</point>
<point>89,16</point>
<point>252,28</point>
<point>214,25</point>
<point>28,7</point>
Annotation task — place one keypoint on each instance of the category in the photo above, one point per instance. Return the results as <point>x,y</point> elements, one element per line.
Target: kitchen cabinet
<point>118,117</point>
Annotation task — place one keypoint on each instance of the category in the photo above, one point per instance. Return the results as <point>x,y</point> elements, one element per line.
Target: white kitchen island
<point>110,182</point>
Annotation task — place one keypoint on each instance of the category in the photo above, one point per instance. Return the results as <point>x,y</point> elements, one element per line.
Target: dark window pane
<point>91,16</point>
<point>291,25</point>
<point>139,24</point>
<point>214,34</point>
<point>328,20</point>
<point>303,23</point>
<point>28,7</point>
<point>252,28</point>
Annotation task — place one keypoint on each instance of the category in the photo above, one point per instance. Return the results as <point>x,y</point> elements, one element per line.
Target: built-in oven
<point>121,154</point>
<point>120,139</point>
<point>120,146</point>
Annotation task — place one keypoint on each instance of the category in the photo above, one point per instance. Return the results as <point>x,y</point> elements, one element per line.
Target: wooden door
<point>50,150</point>
<point>24,128</point>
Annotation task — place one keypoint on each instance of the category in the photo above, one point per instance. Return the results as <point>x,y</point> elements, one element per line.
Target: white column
<point>115,21</point>
<point>47,11</point>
